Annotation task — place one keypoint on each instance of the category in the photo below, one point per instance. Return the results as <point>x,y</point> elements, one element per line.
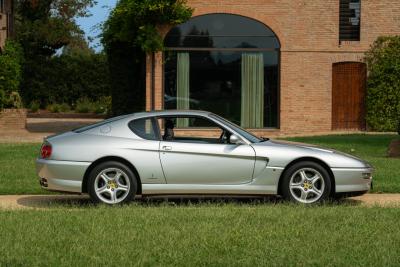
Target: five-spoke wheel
<point>306,182</point>
<point>112,183</point>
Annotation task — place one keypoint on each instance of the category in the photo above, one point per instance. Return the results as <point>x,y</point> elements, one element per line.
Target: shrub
<point>66,78</point>
<point>64,107</point>
<point>10,70</point>
<point>383,93</point>
<point>83,105</point>
<point>2,99</point>
<point>398,127</point>
<point>34,106</point>
<point>54,108</point>
<point>102,106</point>
<point>13,100</point>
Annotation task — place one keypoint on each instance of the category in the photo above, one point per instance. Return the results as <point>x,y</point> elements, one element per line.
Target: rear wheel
<point>112,183</point>
<point>306,182</point>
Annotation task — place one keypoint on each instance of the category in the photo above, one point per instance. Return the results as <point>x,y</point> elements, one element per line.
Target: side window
<point>144,128</point>
<point>192,129</point>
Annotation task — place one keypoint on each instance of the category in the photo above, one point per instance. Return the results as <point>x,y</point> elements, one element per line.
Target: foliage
<point>383,95</point>
<point>2,99</point>
<point>101,106</point>
<point>10,71</point>
<point>135,22</point>
<point>398,127</point>
<point>66,78</point>
<point>130,32</point>
<point>43,27</point>
<point>34,106</point>
<point>13,100</point>
<point>83,105</point>
<point>57,108</point>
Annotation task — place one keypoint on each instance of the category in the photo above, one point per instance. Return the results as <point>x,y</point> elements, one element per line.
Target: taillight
<point>45,151</point>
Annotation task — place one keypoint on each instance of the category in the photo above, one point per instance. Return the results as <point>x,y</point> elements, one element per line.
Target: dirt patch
<point>12,202</point>
<point>394,148</point>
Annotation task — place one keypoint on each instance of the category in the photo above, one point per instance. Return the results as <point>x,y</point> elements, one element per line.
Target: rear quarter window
<point>144,128</point>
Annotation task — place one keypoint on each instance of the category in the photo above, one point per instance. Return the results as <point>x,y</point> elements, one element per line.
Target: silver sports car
<point>192,152</point>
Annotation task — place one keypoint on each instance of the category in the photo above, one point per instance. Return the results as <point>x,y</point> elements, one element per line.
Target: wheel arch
<point>312,159</point>
<point>111,158</point>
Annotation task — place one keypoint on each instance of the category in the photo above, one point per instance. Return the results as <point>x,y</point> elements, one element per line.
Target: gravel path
<point>8,202</point>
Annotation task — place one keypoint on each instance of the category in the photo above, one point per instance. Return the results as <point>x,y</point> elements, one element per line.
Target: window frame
<point>194,49</point>
<point>344,40</point>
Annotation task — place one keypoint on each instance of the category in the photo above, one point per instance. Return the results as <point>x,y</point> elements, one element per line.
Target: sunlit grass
<point>205,234</point>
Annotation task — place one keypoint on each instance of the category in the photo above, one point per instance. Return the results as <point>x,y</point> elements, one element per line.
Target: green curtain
<point>182,84</point>
<point>252,108</point>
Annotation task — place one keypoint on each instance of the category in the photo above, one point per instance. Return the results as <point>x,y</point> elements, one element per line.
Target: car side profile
<point>192,152</point>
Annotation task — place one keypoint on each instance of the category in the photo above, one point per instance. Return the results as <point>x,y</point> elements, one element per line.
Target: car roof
<point>171,113</point>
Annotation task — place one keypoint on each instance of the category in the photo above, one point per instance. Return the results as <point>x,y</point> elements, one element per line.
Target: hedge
<point>383,86</point>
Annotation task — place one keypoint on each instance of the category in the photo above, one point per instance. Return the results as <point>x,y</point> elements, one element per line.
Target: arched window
<point>226,64</point>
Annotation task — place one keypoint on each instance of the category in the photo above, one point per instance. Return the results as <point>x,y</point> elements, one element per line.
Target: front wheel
<point>112,183</point>
<point>306,182</point>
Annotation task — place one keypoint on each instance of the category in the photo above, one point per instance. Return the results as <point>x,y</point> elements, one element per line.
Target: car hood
<point>332,157</point>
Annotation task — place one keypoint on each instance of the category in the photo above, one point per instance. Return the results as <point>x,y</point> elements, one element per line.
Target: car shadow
<point>82,201</point>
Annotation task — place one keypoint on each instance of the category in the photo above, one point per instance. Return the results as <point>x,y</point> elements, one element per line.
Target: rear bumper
<point>352,179</point>
<point>61,175</point>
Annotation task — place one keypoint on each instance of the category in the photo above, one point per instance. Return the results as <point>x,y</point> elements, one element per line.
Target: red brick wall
<point>309,36</point>
<point>12,119</point>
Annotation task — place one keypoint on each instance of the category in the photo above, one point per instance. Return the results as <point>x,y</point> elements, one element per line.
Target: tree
<point>383,93</point>
<point>130,32</point>
<point>10,71</point>
<point>42,28</point>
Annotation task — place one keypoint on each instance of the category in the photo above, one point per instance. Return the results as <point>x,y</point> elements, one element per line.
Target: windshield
<point>249,136</point>
<point>100,123</point>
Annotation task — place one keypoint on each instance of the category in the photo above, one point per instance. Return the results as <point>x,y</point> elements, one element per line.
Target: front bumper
<point>61,175</point>
<point>352,179</point>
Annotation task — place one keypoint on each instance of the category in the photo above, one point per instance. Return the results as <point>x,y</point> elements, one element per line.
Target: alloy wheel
<point>307,185</point>
<point>112,185</point>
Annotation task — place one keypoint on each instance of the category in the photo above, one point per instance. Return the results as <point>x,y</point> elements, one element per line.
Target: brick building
<point>6,20</point>
<point>272,66</point>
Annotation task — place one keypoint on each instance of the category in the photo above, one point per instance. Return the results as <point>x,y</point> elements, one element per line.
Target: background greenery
<point>11,60</point>
<point>383,95</point>
<point>59,69</point>
<point>67,79</point>
<point>17,162</point>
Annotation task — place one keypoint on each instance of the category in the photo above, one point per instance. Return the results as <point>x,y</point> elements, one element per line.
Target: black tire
<point>131,192</point>
<point>308,165</point>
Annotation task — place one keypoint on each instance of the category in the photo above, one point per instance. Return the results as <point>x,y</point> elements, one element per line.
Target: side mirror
<point>234,139</point>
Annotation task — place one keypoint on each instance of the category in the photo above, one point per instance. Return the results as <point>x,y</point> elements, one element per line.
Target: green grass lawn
<point>205,234</point>
<point>17,168</point>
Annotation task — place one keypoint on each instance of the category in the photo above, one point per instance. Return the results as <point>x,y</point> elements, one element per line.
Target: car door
<point>190,161</point>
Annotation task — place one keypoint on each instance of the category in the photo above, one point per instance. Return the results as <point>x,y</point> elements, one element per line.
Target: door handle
<point>167,148</point>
